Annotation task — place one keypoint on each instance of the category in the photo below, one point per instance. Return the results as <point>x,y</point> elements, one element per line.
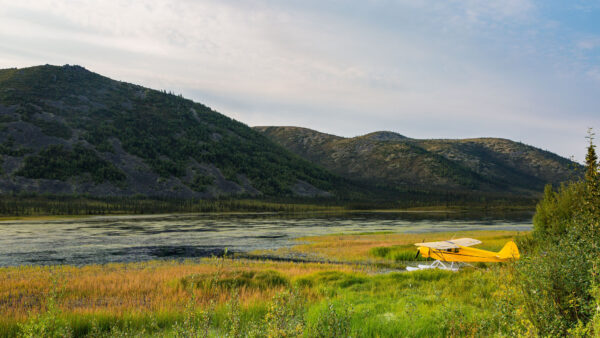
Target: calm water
<point>138,238</point>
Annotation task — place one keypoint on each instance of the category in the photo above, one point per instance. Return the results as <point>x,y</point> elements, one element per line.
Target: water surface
<point>137,238</point>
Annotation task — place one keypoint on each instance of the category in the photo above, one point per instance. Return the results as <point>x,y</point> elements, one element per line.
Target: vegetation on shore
<point>78,205</point>
<point>393,160</point>
<point>238,298</point>
<point>359,291</point>
<point>70,205</point>
<point>552,290</point>
<point>556,285</point>
<point>380,248</point>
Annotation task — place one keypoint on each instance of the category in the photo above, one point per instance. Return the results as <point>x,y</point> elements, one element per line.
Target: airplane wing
<point>465,241</point>
<point>450,244</point>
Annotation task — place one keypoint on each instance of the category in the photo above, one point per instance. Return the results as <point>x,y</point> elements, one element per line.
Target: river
<point>106,239</point>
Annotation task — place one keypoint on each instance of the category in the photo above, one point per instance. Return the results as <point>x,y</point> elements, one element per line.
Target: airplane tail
<point>509,250</point>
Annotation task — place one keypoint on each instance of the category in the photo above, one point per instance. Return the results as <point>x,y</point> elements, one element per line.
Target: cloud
<point>588,43</point>
<point>425,69</point>
<point>497,10</point>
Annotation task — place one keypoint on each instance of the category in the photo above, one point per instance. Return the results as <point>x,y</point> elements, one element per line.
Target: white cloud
<point>588,43</point>
<point>425,69</point>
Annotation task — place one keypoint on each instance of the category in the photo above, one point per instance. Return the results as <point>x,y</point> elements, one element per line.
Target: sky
<point>519,69</point>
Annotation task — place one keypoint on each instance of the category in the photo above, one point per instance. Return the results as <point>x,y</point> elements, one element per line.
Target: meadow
<point>359,290</point>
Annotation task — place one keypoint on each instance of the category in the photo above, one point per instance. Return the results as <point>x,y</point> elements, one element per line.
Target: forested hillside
<point>393,160</point>
<point>66,130</point>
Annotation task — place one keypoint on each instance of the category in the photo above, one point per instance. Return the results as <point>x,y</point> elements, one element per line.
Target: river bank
<point>224,294</point>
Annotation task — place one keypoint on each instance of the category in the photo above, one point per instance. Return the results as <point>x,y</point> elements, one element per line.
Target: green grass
<point>399,253</point>
<point>431,303</point>
<point>422,303</point>
<point>239,298</point>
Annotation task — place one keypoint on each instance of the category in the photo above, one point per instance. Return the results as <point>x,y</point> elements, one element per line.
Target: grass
<point>40,218</point>
<point>373,247</point>
<point>222,296</point>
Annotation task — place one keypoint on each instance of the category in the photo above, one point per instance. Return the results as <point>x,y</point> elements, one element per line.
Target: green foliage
<point>330,320</point>
<point>285,315</point>
<point>236,279</point>
<point>48,324</point>
<point>53,128</point>
<point>201,182</point>
<point>402,253</point>
<point>6,118</point>
<point>554,287</point>
<point>430,303</point>
<point>556,210</point>
<point>58,162</point>
<point>410,164</point>
<point>556,284</point>
<point>233,323</point>
<point>591,160</point>
<point>165,130</point>
<point>8,148</point>
<point>35,205</point>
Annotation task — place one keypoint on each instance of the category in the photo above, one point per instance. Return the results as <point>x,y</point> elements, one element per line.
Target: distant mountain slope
<point>392,160</point>
<point>67,130</point>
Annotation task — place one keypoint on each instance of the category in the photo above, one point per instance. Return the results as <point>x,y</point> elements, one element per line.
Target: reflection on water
<point>137,238</point>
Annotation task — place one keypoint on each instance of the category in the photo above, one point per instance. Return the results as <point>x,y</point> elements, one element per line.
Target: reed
<point>382,247</point>
<point>221,296</point>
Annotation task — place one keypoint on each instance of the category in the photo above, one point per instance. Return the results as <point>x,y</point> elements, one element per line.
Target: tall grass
<point>317,301</point>
<point>377,248</point>
<point>220,297</point>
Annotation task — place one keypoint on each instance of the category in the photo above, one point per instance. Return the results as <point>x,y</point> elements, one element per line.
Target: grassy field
<point>236,297</point>
<point>379,247</point>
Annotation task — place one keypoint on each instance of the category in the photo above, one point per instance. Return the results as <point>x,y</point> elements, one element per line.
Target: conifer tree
<point>591,159</point>
<point>592,176</point>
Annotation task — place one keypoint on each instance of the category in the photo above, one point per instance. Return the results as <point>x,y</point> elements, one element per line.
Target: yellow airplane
<point>457,250</point>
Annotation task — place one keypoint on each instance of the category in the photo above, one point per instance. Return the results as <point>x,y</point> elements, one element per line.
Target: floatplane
<point>450,254</point>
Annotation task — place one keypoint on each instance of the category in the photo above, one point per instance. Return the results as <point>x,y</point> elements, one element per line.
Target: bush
<point>48,324</point>
<point>330,320</point>
<point>556,210</point>
<point>237,279</point>
<point>59,163</point>
<point>285,316</point>
<point>555,285</point>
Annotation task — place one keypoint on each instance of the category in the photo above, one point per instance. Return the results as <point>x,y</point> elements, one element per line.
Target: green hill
<point>66,130</point>
<point>395,161</point>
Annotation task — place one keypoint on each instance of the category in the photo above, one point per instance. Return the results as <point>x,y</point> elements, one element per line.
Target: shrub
<point>330,320</point>
<point>237,279</point>
<point>48,324</point>
<point>556,210</point>
<point>201,182</point>
<point>60,163</point>
<point>285,316</point>
<point>556,285</point>
<point>381,251</point>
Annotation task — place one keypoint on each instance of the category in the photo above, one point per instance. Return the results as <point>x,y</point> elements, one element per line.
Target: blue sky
<point>519,69</point>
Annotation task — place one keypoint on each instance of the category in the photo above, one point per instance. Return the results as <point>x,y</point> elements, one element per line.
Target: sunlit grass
<point>119,288</point>
<point>373,247</point>
<point>156,297</point>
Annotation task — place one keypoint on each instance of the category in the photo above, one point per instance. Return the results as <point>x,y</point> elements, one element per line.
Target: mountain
<point>66,130</point>
<point>393,160</point>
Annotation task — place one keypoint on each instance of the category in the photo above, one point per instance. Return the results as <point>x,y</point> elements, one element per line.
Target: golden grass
<point>357,247</point>
<point>160,287</point>
<point>130,288</point>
